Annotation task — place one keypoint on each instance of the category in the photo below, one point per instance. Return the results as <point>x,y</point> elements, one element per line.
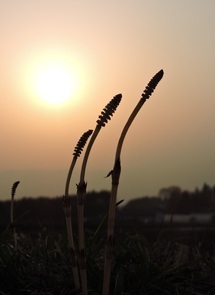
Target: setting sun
<point>54,83</point>
<point>52,79</point>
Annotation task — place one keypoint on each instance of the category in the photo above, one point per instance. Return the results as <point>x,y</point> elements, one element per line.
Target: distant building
<point>193,218</point>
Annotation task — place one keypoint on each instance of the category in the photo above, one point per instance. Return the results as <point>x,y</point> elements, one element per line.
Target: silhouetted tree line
<point>48,212</point>
<point>199,201</point>
<point>43,211</point>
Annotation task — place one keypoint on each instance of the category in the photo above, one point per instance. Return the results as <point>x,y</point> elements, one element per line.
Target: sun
<point>54,83</point>
<point>54,79</point>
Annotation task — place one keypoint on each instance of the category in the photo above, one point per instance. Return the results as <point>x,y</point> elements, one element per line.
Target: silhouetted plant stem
<point>81,187</point>
<point>74,262</point>
<point>70,175</point>
<point>115,181</point>
<point>81,194</point>
<point>146,94</point>
<point>13,229</point>
<point>67,208</point>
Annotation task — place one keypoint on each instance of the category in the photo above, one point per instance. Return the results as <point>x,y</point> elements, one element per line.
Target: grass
<point>117,263</point>
<point>40,266</point>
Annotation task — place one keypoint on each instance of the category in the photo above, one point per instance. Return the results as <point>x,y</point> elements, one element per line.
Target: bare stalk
<point>74,260</point>
<point>81,187</point>
<point>67,208</point>
<point>13,192</point>
<point>115,181</point>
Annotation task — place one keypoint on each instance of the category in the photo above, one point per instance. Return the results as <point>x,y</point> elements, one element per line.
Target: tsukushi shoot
<point>79,264</point>
<point>96,262</point>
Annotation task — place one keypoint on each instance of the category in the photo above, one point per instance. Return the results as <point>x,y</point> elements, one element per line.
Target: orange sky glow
<point>102,49</point>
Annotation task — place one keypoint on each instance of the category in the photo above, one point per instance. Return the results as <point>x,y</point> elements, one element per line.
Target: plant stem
<point>13,192</point>
<point>111,220</point>
<point>115,181</point>
<point>74,262</point>
<point>67,207</point>
<point>87,152</point>
<point>12,224</point>
<point>81,195</point>
<point>69,176</point>
<point>81,187</point>
<point>67,213</point>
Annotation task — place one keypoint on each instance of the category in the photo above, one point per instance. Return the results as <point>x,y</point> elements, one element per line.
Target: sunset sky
<point>85,52</point>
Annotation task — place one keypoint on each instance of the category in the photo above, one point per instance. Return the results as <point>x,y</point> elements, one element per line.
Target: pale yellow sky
<point>111,47</point>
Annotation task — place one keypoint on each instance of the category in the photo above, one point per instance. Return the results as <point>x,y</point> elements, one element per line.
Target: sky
<point>106,48</point>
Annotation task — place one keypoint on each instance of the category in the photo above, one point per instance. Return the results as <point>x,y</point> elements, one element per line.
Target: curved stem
<point>87,152</point>
<point>69,176</point>
<point>126,127</point>
<point>115,181</point>
<point>81,194</point>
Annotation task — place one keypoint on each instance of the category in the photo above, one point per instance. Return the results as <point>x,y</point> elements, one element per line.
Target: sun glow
<point>54,83</point>
<point>53,79</point>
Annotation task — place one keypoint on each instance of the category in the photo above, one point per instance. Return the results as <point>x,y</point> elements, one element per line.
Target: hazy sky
<point>111,47</point>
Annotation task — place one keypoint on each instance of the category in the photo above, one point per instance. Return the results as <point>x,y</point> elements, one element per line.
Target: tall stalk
<point>13,229</point>
<point>67,207</point>
<point>115,173</point>
<point>81,187</point>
